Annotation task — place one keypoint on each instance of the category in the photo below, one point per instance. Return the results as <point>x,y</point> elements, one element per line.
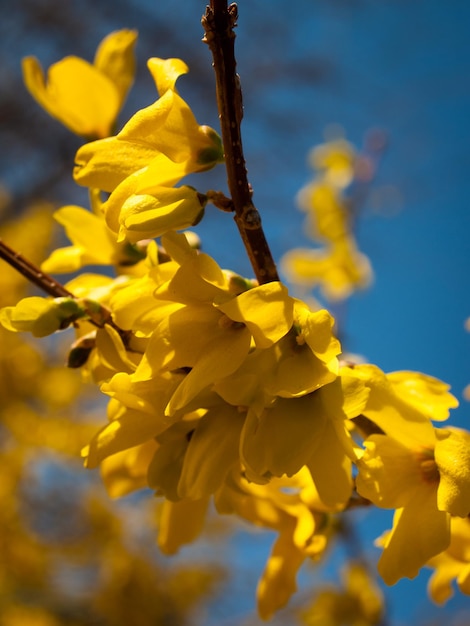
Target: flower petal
<point>452,455</point>
<point>419,532</point>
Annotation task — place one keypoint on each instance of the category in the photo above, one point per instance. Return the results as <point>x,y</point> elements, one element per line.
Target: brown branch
<point>99,317</point>
<point>32,272</point>
<point>218,23</point>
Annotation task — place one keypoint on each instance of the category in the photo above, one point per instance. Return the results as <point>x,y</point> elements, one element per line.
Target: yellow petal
<point>198,280</point>
<point>115,58</point>
<point>294,370</point>
<point>126,471</point>
<point>211,452</point>
<point>267,310</point>
<point>93,242</point>
<point>331,469</point>
<point>166,72</point>
<point>165,469</point>
<point>150,216</point>
<point>283,439</point>
<point>76,93</point>
<point>419,532</point>
<point>452,455</point>
<point>180,523</point>
<point>389,474</point>
<point>426,393</point>
<point>316,329</point>
<point>131,429</point>
<point>392,413</point>
<point>221,357</point>
<point>105,163</point>
<point>447,568</point>
<point>278,581</point>
<point>111,350</point>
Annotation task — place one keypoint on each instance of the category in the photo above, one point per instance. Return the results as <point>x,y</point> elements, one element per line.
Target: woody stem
<point>219,22</point>
<point>32,272</point>
<point>52,287</point>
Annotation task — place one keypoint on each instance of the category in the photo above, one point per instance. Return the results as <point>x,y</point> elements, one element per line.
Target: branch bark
<point>53,288</point>
<point>219,22</point>
<point>33,273</point>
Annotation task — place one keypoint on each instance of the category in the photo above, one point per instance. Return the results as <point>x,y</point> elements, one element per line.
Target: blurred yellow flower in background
<point>86,97</point>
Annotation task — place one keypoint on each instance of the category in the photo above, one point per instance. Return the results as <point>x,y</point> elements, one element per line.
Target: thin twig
<point>32,272</point>
<point>99,317</point>
<point>218,23</point>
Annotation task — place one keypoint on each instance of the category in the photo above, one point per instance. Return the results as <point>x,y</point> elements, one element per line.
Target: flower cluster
<point>338,268</point>
<point>222,389</point>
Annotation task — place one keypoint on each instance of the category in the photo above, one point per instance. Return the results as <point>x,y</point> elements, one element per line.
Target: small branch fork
<point>219,22</point>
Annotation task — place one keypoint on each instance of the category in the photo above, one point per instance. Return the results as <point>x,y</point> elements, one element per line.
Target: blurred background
<point>307,69</point>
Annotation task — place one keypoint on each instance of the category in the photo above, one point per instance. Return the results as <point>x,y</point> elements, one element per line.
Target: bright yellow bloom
<point>150,215</point>
<point>327,216</point>
<point>336,161</point>
<point>86,97</point>
<point>135,413</point>
<point>307,431</point>
<point>166,127</point>
<point>209,340</point>
<point>299,362</point>
<point>427,481</point>
<point>283,505</point>
<point>93,243</point>
<point>398,401</point>
<point>195,454</point>
<point>452,564</point>
<point>338,269</point>
<point>162,172</point>
<point>41,316</point>
<point>206,328</point>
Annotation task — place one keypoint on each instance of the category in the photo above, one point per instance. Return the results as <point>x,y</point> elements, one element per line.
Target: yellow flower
<point>86,97</point>
<point>398,401</point>
<point>153,214</point>
<point>427,479</point>
<point>208,329</point>
<point>194,455</point>
<point>328,219</point>
<point>296,364</point>
<point>336,160</point>
<point>166,127</point>
<point>136,413</point>
<point>283,505</point>
<point>338,269</point>
<point>41,316</point>
<point>452,564</point>
<point>93,243</point>
<point>215,341</point>
<point>307,431</point>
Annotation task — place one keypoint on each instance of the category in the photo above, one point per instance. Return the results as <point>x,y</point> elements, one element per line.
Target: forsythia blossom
<point>86,97</point>
<point>338,267</point>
